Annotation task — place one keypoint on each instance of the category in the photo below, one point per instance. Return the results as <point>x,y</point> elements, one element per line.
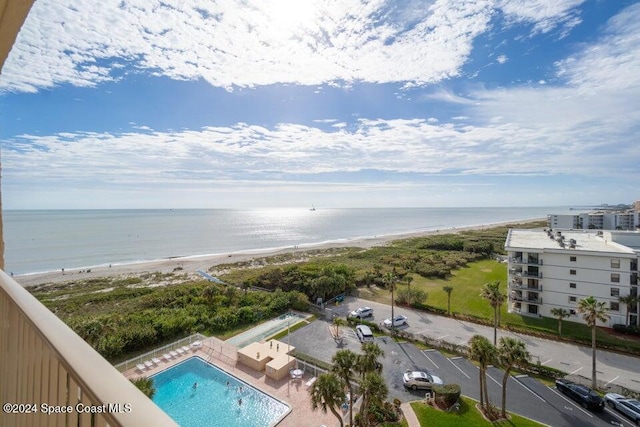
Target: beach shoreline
<point>190,264</point>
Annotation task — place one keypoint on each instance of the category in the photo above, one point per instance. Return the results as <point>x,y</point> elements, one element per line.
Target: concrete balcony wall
<point>44,364</point>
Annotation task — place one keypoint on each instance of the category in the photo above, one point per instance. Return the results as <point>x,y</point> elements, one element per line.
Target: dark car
<point>581,394</point>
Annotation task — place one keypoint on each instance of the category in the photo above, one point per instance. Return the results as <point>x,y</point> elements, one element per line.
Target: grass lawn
<point>467,416</point>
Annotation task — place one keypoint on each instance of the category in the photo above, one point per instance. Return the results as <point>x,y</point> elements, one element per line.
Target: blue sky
<point>193,104</point>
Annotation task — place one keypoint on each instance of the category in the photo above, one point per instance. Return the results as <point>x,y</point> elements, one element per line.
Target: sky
<point>343,103</point>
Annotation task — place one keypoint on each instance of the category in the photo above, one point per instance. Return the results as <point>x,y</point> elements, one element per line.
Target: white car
<point>628,407</point>
<point>417,379</point>
<point>362,312</point>
<point>398,320</point>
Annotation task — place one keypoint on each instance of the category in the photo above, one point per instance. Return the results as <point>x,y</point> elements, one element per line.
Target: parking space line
<point>493,379</point>
<point>579,369</point>
<point>442,337</point>
<point>517,379</point>
<point>546,361</point>
<point>618,416</point>
<point>565,398</point>
<point>434,363</point>
<point>606,384</point>
<point>458,368</point>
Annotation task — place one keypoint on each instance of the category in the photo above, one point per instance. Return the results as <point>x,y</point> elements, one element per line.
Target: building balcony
<point>526,300</point>
<point>42,361</point>
<point>518,260</point>
<point>525,274</point>
<point>524,287</point>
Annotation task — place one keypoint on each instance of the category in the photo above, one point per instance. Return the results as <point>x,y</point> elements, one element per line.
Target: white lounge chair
<point>174,353</point>
<point>140,367</point>
<point>167,357</point>
<point>156,361</point>
<point>185,349</point>
<point>196,345</point>
<point>148,364</point>
<point>180,351</point>
<point>310,382</point>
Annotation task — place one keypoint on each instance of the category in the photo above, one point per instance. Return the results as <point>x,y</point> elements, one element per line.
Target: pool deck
<point>292,392</point>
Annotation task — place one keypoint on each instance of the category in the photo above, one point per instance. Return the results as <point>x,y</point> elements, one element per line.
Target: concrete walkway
<point>612,368</point>
<point>409,415</point>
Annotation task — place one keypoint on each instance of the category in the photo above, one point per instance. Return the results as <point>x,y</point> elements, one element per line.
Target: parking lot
<point>525,395</point>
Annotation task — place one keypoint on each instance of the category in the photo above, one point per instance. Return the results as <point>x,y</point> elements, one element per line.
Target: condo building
<point>557,268</point>
<point>627,220</point>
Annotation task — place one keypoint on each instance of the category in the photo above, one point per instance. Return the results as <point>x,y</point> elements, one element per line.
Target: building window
<point>615,277</point>
<point>572,272</point>
<point>615,263</point>
<point>614,306</point>
<point>615,292</point>
<point>572,259</point>
<point>533,309</point>
<point>573,299</point>
<point>572,285</point>
<point>572,312</point>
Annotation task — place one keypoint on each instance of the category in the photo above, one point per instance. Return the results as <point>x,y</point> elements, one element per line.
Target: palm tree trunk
<point>594,383</point>
<point>350,406</point>
<point>334,412</point>
<point>449,305</point>
<point>495,326</point>
<point>481,387</point>
<point>392,316</point>
<point>486,389</point>
<point>559,326</point>
<point>505,378</point>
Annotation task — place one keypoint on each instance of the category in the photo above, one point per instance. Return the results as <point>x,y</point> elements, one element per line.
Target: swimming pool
<point>216,399</point>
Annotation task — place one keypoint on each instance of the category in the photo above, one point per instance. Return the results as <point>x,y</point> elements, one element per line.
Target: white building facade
<point>628,220</point>
<point>557,268</point>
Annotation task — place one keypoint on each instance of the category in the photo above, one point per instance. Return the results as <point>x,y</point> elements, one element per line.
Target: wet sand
<point>191,264</point>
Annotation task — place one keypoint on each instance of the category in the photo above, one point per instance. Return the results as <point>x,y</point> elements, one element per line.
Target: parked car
<point>398,320</point>
<point>420,380</point>
<point>364,334</point>
<point>628,407</point>
<point>581,394</point>
<point>362,312</point>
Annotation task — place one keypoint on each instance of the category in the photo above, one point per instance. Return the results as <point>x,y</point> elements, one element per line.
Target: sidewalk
<point>409,415</point>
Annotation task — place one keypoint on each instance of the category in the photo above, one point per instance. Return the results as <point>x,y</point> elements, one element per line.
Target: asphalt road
<point>612,368</point>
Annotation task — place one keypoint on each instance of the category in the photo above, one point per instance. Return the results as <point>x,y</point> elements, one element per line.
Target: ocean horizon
<point>39,241</point>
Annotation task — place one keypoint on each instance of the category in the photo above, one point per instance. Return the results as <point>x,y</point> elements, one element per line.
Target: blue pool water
<point>212,402</point>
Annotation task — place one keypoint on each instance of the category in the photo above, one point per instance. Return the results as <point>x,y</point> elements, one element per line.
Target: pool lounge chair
<point>167,357</point>
<point>140,367</point>
<point>196,345</point>
<point>180,351</point>
<point>156,361</point>
<point>185,349</point>
<point>174,353</point>
<point>148,364</point>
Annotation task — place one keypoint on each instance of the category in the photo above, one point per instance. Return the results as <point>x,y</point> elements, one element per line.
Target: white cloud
<point>502,59</point>
<point>244,44</point>
<point>545,15</point>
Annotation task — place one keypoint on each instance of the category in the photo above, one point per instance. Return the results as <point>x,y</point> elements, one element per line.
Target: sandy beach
<point>189,265</point>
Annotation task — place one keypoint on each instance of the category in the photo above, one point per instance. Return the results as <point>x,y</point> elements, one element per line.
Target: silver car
<point>398,320</point>
<point>417,379</point>
<point>628,407</point>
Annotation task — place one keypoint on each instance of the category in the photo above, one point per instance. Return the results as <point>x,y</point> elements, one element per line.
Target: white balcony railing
<point>46,366</point>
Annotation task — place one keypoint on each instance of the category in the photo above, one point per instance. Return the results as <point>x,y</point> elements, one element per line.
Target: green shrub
<point>447,394</point>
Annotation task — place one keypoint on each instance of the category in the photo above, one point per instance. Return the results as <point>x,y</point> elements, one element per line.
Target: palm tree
<point>491,292</point>
<point>368,360</point>
<point>511,352</point>
<point>328,393</point>
<point>560,313</point>
<point>482,351</point>
<point>337,322</point>
<point>390,281</point>
<point>145,385</point>
<point>448,289</point>
<point>344,363</point>
<point>629,301</point>
<point>409,279</point>
<point>374,390</point>
<point>592,311</point>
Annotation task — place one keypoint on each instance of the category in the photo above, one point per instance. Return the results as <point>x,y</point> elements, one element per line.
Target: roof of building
<point>582,240</point>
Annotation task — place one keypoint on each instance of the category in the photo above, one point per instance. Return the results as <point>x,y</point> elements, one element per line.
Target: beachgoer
<point>270,342</point>
<point>278,347</point>
<point>227,384</point>
<point>195,386</point>
<point>239,401</point>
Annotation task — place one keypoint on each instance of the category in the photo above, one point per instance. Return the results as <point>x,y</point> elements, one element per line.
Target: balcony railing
<point>519,273</point>
<point>518,260</point>
<point>527,300</point>
<point>44,363</point>
<point>525,287</point>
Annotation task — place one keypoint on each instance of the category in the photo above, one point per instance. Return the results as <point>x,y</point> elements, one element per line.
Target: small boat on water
<point>313,208</point>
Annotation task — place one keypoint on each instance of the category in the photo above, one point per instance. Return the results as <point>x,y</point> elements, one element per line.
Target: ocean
<point>42,241</point>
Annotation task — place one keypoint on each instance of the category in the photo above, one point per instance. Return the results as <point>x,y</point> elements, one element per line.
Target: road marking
<point>546,361</point>
<point>562,396</point>
<point>606,384</point>
<point>618,416</point>
<point>527,388</point>
<point>492,379</point>
<point>434,363</point>
<point>442,337</point>
<point>458,368</point>
<point>579,369</point>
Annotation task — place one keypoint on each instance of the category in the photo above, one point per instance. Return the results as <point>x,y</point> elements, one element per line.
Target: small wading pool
<point>213,402</point>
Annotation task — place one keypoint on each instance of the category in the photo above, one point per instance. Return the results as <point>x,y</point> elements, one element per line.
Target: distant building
<point>636,206</point>
<point>557,268</point>
<point>627,220</point>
